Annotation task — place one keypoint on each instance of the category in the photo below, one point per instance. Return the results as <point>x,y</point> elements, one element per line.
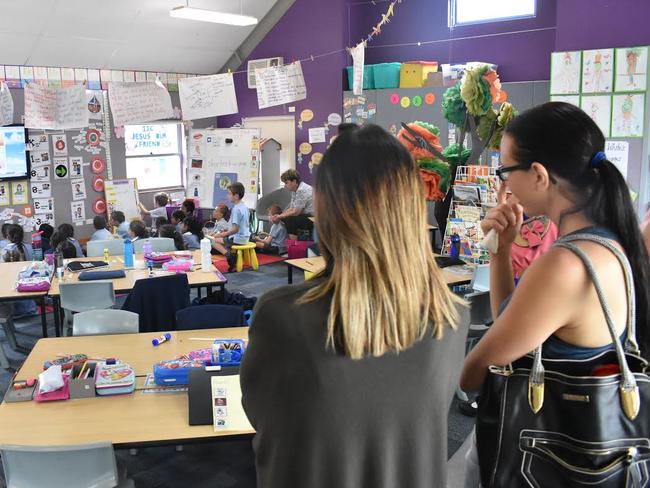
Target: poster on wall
<point>95,104</point>
<point>207,96</point>
<point>40,190</point>
<point>59,145</point>
<point>19,192</point>
<point>43,205</point>
<point>627,115</point>
<point>78,211</point>
<point>45,218</point>
<point>76,167</point>
<point>599,108</point>
<point>61,170</point>
<point>55,108</point>
<point>618,153</point>
<point>278,85</point>
<point>78,187</point>
<point>631,69</point>
<point>123,195</point>
<point>135,103</point>
<point>597,71</point>
<point>6,105</point>
<point>40,173</point>
<point>38,147</point>
<point>4,193</point>
<point>565,72</point>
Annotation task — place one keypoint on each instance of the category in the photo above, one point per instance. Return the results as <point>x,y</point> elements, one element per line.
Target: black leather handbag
<point>553,423</point>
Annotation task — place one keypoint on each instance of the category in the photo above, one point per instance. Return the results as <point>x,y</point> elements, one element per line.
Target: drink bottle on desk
<point>206,258</point>
<point>146,251</point>
<point>128,253</point>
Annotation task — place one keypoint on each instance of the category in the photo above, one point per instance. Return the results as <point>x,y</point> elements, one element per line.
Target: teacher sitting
<point>296,216</point>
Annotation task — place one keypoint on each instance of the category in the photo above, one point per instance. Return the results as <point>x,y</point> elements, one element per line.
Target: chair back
<point>100,322</point>
<point>158,244</point>
<point>209,317</point>
<point>96,248</point>
<point>157,300</point>
<point>60,466</point>
<point>89,295</point>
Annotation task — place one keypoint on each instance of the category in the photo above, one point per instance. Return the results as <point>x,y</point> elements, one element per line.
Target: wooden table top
<point>8,272</point>
<point>317,264</point>
<point>135,419</point>
<point>196,278</point>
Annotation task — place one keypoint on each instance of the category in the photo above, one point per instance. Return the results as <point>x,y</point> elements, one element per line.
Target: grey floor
<point>227,464</point>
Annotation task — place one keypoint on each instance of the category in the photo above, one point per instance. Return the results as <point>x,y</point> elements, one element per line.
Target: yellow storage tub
<point>414,74</point>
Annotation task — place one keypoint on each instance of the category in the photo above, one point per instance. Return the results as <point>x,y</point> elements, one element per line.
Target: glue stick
<point>163,338</point>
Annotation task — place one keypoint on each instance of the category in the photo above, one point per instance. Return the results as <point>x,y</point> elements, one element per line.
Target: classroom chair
<point>158,244</point>
<point>81,297</point>
<point>209,317</point>
<point>100,322</point>
<point>115,247</point>
<point>63,466</point>
<point>156,301</point>
<point>246,255</point>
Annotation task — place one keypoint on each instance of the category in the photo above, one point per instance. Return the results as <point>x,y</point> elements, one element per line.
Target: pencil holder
<point>82,387</point>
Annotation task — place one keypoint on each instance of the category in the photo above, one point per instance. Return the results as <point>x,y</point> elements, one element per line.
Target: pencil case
<point>227,352</point>
<point>101,275</point>
<point>32,285</point>
<point>114,379</point>
<point>175,371</point>
<point>158,258</point>
<point>178,266</point>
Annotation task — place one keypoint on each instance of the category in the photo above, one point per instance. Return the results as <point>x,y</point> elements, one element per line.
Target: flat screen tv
<point>13,155</point>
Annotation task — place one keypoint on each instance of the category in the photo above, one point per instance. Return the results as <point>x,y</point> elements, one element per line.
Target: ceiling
<point>120,34</point>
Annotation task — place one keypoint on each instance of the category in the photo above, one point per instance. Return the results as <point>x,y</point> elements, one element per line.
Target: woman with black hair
<point>554,164</point>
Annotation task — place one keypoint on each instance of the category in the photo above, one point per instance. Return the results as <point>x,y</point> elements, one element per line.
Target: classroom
<point>306,243</point>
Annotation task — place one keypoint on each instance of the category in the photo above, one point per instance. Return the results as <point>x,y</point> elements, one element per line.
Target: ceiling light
<point>203,15</point>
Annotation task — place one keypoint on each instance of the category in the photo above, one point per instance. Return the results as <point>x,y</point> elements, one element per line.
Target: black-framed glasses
<point>502,171</point>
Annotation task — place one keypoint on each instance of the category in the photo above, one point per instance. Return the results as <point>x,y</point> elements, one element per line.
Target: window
<point>154,155</point>
<point>462,12</point>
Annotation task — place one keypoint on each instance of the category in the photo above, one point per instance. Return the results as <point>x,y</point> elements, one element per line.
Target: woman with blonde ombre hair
<point>348,378</point>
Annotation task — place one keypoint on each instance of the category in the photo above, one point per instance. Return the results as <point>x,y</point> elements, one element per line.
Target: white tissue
<point>491,241</point>
<point>51,379</point>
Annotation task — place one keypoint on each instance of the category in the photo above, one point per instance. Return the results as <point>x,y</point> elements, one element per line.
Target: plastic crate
<point>386,75</point>
<point>368,78</point>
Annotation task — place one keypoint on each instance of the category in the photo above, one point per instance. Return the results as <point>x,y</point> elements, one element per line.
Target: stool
<point>245,255</point>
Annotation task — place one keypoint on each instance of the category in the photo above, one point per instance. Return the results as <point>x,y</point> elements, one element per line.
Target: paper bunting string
<point>385,19</point>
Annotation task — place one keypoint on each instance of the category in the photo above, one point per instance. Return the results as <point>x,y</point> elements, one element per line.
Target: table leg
<point>289,274</point>
<point>57,316</point>
<point>43,317</point>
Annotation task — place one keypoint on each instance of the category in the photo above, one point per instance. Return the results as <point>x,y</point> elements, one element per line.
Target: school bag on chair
<point>553,423</point>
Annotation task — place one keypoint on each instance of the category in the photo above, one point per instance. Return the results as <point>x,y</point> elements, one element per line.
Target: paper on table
<point>278,85</point>
<point>6,105</point>
<point>228,412</point>
<point>207,96</point>
<point>133,103</point>
<point>358,60</point>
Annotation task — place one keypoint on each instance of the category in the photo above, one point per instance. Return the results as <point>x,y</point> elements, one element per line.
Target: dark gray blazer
<point>325,420</point>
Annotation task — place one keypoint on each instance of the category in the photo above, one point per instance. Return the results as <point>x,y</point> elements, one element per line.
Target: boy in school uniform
<point>239,231</point>
<point>101,233</point>
<point>161,200</point>
<point>118,220</point>
<point>275,242</point>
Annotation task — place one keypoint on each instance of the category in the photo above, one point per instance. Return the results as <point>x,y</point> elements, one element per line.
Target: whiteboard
<point>123,195</point>
<point>219,157</point>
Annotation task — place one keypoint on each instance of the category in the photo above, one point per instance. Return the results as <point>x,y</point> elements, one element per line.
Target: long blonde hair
<point>371,220</point>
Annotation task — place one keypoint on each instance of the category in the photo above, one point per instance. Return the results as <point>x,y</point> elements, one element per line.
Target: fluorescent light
<point>203,15</point>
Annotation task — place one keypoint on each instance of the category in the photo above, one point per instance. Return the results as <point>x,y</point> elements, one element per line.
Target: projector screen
<point>13,156</point>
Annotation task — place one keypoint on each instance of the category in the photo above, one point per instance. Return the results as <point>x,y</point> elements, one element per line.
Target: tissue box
<point>83,387</point>
<point>413,74</point>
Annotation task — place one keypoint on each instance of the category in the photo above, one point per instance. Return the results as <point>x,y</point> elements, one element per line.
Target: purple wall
<point>521,56</point>
<point>593,24</point>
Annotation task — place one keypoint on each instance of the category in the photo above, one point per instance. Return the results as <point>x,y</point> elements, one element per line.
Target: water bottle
<point>206,259</point>
<point>454,248</point>
<point>37,254</point>
<point>128,253</point>
<point>146,250</point>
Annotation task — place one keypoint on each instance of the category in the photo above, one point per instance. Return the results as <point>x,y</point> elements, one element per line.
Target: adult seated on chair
<point>301,207</point>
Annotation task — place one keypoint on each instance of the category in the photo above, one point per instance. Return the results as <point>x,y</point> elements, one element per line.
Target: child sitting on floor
<point>192,233</point>
<point>275,242</point>
<point>17,250</point>
<point>118,220</point>
<point>220,215</point>
<point>137,230</point>
<point>170,232</point>
<point>101,233</point>
<point>177,220</point>
<point>66,232</point>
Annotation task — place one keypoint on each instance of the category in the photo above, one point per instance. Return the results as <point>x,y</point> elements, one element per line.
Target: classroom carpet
<point>262,259</point>
<point>227,464</point>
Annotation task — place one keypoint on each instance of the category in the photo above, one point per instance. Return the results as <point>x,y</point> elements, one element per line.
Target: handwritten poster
<point>207,96</point>
<point>278,85</point>
<point>6,105</point>
<point>55,108</point>
<point>316,135</point>
<point>78,211</point>
<point>358,60</point>
<point>134,103</point>
<point>617,153</point>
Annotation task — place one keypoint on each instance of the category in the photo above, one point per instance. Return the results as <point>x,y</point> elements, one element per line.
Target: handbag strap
<point>631,344</point>
<point>628,388</point>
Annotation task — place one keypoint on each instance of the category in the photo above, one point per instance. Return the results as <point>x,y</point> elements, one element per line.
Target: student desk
<point>137,419</point>
<point>317,264</point>
<point>9,272</point>
<point>196,279</point>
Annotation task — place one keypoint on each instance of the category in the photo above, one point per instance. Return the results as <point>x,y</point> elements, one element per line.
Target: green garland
<point>476,91</point>
<point>452,151</point>
<point>453,106</point>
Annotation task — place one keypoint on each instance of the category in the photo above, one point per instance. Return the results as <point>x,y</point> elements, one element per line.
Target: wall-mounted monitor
<point>13,154</point>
